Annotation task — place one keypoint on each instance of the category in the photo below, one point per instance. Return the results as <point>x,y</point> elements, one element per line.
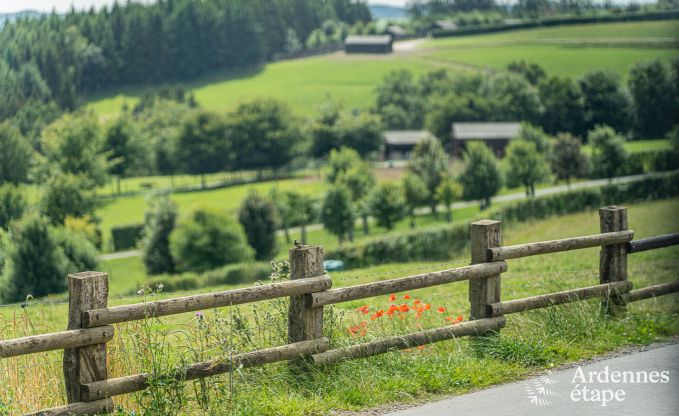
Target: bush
<point>160,220</point>
<point>126,237</point>
<point>227,275</point>
<point>85,227</point>
<point>387,205</point>
<point>66,197</point>
<point>208,239</point>
<point>12,205</point>
<point>259,218</point>
<point>608,152</point>
<point>481,178</point>
<point>81,254</point>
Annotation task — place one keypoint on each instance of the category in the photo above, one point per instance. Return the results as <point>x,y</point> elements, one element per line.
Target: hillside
<point>304,83</point>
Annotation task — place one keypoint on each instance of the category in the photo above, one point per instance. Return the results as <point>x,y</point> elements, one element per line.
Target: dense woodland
<point>48,62</point>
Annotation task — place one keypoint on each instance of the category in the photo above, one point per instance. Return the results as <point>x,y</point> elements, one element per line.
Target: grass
<point>305,83</point>
<point>531,341</point>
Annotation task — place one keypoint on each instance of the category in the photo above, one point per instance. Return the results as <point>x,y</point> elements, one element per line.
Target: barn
<point>495,135</point>
<point>399,144</point>
<point>368,44</point>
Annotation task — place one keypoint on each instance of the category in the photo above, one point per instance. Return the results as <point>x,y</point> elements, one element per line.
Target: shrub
<point>525,165</point>
<point>12,204</point>
<point>337,213</point>
<point>566,157</point>
<point>388,205</point>
<point>208,239</point>
<point>227,275</point>
<point>160,221</point>
<point>259,218</point>
<point>5,245</point>
<point>481,178</point>
<point>85,227</point>
<point>81,254</point>
<point>608,152</point>
<point>66,196</point>
<point>126,236</point>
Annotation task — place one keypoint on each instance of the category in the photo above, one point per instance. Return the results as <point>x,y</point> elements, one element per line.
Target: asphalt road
<point>462,204</point>
<point>562,393</point>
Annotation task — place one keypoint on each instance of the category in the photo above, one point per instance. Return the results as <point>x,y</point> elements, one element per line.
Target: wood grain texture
<point>80,408</point>
<point>653,243</point>
<point>105,316</point>
<point>88,290</point>
<point>613,258</point>
<point>305,322</point>
<point>484,234</point>
<point>558,298</point>
<point>55,341</point>
<point>138,382</point>
<point>555,246</point>
<point>419,281</point>
<point>400,342</point>
<point>652,291</point>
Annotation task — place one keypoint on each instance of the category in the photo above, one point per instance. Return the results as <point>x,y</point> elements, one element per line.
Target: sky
<point>8,6</point>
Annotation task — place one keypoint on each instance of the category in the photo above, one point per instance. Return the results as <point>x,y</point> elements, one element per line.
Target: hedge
<point>444,243</point>
<point>227,275</point>
<point>126,237</point>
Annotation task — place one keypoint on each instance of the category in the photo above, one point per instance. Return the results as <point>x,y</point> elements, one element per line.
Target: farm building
<point>398,144</point>
<point>368,44</point>
<point>397,32</point>
<point>495,135</point>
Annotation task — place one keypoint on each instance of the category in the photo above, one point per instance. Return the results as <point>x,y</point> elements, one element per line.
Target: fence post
<point>484,291</point>
<point>613,258</point>
<point>305,323</point>
<point>88,290</point>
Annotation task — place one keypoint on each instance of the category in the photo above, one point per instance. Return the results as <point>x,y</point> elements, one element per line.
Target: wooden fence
<point>90,391</point>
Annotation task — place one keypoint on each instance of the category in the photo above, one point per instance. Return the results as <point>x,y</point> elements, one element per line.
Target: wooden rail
<point>558,298</point>
<point>554,246</point>
<point>89,390</point>
<point>117,314</point>
<point>419,281</point>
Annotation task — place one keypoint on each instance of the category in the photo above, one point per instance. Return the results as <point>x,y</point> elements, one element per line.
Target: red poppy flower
<point>459,318</point>
<point>406,296</point>
<point>365,309</point>
<point>392,297</point>
<point>441,309</point>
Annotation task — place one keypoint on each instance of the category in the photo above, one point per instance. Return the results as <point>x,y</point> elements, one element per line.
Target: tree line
<point>47,62</point>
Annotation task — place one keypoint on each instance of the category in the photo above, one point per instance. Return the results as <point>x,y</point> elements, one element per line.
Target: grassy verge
<point>531,341</point>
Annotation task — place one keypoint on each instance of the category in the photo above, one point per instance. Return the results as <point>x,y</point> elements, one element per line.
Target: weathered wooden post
<point>613,258</point>
<point>484,234</point>
<point>304,322</point>
<point>88,290</point>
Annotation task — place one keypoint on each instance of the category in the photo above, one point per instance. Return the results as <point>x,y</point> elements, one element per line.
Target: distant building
<point>398,144</point>
<point>368,44</point>
<point>397,32</point>
<point>495,135</point>
<point>447,25</point>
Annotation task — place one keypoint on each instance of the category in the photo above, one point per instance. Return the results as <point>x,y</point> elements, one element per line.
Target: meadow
<point>306,83</point>
<point>530,342</point>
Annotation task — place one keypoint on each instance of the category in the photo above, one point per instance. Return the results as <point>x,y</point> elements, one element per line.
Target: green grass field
<point>531,341</point>
<point>304,83</point>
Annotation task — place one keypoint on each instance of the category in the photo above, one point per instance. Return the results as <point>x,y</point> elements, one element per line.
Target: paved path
<point>462,204</point>
<point>557,394</point>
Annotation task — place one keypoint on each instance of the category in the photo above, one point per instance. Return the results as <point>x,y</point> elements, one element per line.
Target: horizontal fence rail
<point>419,281</point>
<point>652,243</point>
<point>558,298</point>
<point>117,314</point>
<point>401,342</point>
<point>89,390</point>
<point>56,341</point>
<point>138,382</point>
<point>555,246</point>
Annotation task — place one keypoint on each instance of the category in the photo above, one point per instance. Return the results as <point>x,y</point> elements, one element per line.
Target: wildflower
<point>459,318</point>
<point>427,306</point>
<point>449,318</point>
<point>377,314</point>
<point>365,309</point>
<point>404,308</point>
<point>441,309</point>
<point>420,347</point>
<point>392,297</point>
<point>406,296</point>
<point>417,302</point>
<point>199,315</point>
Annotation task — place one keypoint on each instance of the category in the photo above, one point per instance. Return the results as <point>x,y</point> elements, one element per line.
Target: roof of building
<point>480,131</point>
<point>405,137</point>
<point>397,30</point>
<point>368,40</point>
<point>445,25</point>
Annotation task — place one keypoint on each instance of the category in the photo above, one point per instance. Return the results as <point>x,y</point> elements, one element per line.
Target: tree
<point>159,221</point>
<point>284,211</point>
<point>265,133</point>
<point>415,193</point>
<point>608,152</point>
<point>511,97</point>
<point>525,165</point>
<point>81,255</point>
<point>74,145</point>
<point>12,205</point>
<point>674,140</point>
<point>535,135</point>
<point>260,220</point>
<point>201,145</point>
<point>566,158</point>
<point>36,262</point>
<point>481,178</point>
<point>650,84</point>
<point>447,192</point>
<point>66,196</point>
<point>444,110</point>
<point>123,147</point>
<point>430,163</point>
<point>302,208</point>
<point>606,101</point>
<point>15,155</point>
<point>208,239</point>
<point>345,166</point>
<point>529,70</point>
<point>563,105</point>
<point>398,89</point>
<point>337,212</point>
<point>388,205</point>
<point>362,132</point>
